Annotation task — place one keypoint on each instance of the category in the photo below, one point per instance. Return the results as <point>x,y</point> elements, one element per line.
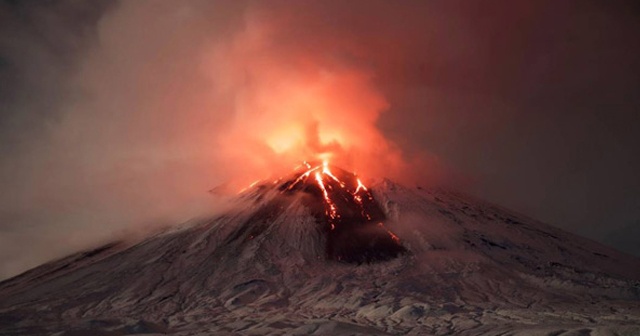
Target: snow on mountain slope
<point>390,260</point>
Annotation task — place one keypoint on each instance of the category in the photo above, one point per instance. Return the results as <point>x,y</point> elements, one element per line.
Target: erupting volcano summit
<point>346,212</point>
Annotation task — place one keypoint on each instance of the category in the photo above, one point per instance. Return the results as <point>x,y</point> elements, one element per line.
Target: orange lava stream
<point>326,171</point>
<point>333,211</point>
<point>249,187</point>
<point>393,236</point>
<point>322,172</point>
<point>360,186</point>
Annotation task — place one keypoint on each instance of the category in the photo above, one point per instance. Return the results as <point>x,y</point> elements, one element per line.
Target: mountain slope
<point>389,260</point>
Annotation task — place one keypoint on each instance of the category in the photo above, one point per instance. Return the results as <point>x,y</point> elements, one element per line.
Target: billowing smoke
<point>117,117</point>
<point>293,102</point>
<point>167,100</point>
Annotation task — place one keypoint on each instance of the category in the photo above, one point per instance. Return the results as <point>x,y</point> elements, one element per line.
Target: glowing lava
<point>322,172</point>
<point>346,212</point>
<point>332,212</point>
<point>354,219</point>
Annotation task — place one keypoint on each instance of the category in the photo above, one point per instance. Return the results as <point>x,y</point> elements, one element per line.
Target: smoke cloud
<point>117,117</point>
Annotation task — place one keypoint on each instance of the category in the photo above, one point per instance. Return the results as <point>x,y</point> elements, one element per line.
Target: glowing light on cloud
<point>294,105</point>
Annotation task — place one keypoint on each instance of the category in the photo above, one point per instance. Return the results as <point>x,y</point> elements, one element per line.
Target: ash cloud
<point>118,116</point>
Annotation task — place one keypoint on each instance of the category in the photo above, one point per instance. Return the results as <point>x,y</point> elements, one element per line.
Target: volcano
<point>319,253</point>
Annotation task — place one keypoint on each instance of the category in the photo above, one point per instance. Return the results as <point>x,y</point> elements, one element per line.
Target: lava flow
<point>352,219</point>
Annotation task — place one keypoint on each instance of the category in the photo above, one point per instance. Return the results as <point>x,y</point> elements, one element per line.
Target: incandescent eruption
<point>345,210</point>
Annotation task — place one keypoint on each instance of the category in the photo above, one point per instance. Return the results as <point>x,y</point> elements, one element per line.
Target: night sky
<point>117,117</point>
